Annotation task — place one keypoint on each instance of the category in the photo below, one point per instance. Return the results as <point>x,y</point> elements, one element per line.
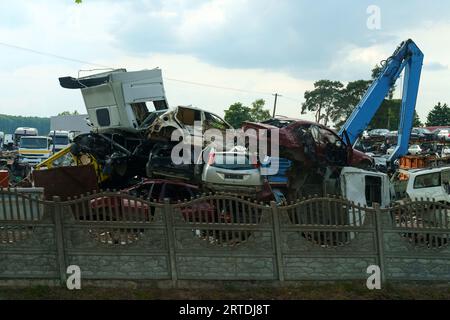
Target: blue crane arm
<point>409,57</point>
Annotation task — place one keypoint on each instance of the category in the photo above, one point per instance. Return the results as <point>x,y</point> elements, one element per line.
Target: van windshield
<point>34,143</point>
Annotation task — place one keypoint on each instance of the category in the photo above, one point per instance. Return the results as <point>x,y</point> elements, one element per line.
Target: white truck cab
<point>60,139</point>
<point>362,187</point>
<point>365,187</point>
<point>24,132</point>
<point>119,100</point>
<point>431,183</point>
<point>34,149</point>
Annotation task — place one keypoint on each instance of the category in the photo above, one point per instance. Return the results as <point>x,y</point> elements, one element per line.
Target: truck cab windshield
<point>34,143</point>
<point>57,140</point>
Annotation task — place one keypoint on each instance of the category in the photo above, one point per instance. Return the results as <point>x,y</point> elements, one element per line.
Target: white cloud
<point>205,20</point>
<point>90,31</point>
<point>47,98</point>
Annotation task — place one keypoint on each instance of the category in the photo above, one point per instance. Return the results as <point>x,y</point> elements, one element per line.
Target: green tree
<point>322,99</point>
<point>257,111</point>
<point>416,121</point>
<point>348,99</point>
<point>439,115</point>
<point>375,73</point>
<point>387,116</point>
<point>8,124</point>
<point>237,113</point>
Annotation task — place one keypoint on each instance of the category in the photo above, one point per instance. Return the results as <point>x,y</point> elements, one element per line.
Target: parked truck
<point>34,149</point>
<point>60,139</point>
<point>24,132</point>
<point>8,142</point>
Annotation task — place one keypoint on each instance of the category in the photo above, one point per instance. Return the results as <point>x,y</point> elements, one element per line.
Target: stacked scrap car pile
<point>139,145</point>
<point>426,148</point>
<point>12,173</point>
<point>131,146</point>
<point>129,143</point>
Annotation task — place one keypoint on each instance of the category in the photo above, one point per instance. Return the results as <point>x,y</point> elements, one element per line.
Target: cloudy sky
<point>257,46</point>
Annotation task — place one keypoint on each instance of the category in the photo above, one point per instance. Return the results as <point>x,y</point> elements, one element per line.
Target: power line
<point>231,89</point>
<point>293,99</point>
<point>42,53</point>
<point>217,86</point>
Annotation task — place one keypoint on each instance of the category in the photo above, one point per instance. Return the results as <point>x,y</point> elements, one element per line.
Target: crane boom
<point>409,57</point>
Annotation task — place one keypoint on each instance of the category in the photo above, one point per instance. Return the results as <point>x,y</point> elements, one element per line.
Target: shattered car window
<point>315,133</point>
<point>329,137</point>
<point>140,111</point>
<point>213,122</point>
<point>188,116</point>
<point>151,118</point>
<point>279,123</point>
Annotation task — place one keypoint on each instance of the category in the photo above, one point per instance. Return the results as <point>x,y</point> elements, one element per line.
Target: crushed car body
<point>311,143</point>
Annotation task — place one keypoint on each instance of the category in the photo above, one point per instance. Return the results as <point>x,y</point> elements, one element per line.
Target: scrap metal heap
<point>129,141</point>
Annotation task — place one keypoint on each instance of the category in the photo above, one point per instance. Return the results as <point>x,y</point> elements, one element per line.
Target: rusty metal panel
<point>66,181</point>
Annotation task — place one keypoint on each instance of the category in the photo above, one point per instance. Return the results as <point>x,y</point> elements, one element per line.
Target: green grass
<point>340,291</point>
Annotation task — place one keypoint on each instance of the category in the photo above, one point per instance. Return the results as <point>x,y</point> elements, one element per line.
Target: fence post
<point>168,218</point>
<point>59,234</point>
<point>380,239</point>
<point>277,238</point>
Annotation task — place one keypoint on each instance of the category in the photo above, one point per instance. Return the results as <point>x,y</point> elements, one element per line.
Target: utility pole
<point>275,103</point>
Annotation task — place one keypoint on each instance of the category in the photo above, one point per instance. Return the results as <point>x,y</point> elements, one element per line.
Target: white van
<point>414,184</point>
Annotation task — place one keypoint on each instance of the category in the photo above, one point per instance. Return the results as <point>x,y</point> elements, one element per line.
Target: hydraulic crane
<point>407,56</point>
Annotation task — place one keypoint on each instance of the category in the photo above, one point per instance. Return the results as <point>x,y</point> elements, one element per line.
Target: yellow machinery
<point>64,157</point>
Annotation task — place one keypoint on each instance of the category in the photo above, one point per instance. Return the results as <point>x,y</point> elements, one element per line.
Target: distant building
<point>72,123</point>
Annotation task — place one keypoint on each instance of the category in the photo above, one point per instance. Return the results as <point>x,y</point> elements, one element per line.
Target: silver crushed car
<point>233,171</point>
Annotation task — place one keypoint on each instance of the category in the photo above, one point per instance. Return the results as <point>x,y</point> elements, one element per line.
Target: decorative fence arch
<point>116,236</point>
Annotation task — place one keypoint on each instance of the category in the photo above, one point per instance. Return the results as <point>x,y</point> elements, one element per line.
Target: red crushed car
<point>156,189</point>
<point>311,143</point>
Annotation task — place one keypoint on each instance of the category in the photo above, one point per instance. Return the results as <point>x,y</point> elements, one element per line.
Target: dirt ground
<point>341,291</point>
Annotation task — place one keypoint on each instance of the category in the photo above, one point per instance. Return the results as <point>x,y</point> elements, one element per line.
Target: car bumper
<point>235,189</point>
<point>31,161</point>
